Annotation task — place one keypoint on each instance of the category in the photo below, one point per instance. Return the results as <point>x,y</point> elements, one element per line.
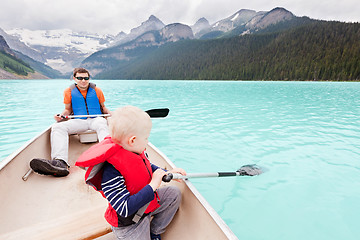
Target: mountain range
<point>153,33</point>
<point>55,53</point>
<point>64,49</point>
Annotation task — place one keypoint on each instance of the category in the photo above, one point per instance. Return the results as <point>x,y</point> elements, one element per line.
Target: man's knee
<point>100,121</point>
<point>58,126</point>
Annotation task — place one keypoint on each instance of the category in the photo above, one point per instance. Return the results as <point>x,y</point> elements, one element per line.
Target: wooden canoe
<point>44,207</point>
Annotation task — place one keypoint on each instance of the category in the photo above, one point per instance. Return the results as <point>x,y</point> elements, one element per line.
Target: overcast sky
<point>113,16</point>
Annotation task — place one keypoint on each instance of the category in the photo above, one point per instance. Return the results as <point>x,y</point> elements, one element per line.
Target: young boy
<point>120,170</point>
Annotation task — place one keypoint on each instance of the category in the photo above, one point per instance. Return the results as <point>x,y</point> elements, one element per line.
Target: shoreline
<point>38,76</point>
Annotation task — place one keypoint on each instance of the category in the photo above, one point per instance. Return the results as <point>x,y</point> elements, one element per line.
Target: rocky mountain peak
<point>200,25</point>
<point>64,49</point>
<point>153,18</point>
<point>5,47</point>
<point>242,16</point>
<point>280,13</point>
<point>274,16</point>
<point>202,21</point>
<point>153,23</point>
<point>121,35</point>
<point>176,31</point>
<point>235,20</point>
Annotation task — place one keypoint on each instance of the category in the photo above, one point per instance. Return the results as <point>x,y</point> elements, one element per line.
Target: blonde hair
<point>126,121</point>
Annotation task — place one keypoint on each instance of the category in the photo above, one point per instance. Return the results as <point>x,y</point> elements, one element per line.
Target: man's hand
<point>66,112</point>
<point>58,117</point>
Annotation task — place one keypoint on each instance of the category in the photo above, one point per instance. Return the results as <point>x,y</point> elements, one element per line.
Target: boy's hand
<point>178,170</point>
<point>157,178</point>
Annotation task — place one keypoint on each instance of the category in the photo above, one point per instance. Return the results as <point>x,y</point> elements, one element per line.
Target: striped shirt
<point>115,191</point>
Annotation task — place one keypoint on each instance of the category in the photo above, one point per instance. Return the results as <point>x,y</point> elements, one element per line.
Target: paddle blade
<point>158,113</point>
<point>250,170</point>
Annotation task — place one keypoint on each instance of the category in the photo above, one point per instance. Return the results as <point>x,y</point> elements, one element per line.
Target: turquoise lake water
<point>306,134</point>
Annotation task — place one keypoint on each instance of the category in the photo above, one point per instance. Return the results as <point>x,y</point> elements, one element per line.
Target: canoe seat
<point>84,224</point>
<point>89,136</point>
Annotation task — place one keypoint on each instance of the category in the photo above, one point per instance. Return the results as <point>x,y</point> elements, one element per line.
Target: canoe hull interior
<point>45,207</point>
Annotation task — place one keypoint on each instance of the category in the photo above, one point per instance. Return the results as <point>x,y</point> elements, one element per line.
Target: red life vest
<point>135,169</point>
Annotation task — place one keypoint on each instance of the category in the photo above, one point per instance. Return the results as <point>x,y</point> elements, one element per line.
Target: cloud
<point>113,16</point>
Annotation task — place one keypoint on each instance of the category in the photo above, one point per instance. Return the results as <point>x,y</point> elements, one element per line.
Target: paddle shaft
<point>153,113</point>
<point>170,176</point>
<point>88,116</point>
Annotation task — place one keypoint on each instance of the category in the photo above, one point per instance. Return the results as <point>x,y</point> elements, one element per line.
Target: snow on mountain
<point>237,19</point>
<point>15,44</point>
<point>64,38</point>
<point>62,48</point>
<point>246,21</point>
<point>65,49</point>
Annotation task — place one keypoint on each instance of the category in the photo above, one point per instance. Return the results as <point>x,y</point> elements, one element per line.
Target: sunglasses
<point>81,78</point>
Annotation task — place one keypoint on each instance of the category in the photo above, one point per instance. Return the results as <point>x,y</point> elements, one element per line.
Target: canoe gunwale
<point>13,155</point>
<point>219,221</point>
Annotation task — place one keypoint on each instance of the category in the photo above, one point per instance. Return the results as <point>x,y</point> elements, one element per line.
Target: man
<point>81,98</point>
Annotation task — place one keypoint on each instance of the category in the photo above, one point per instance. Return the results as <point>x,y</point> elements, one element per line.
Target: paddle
<point>246,170</point>
<point>158,113</point>
<point>153,113</point>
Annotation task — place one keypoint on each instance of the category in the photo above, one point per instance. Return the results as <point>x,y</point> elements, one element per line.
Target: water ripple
<point>306,134</point>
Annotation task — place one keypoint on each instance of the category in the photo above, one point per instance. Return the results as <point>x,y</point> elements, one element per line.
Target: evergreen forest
<point>317,50</point>
<point>14,65</point>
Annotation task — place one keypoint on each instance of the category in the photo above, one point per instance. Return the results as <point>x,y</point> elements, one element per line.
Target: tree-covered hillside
<point>318,50</point>
<point>40,67</point>
<point>14,65</point>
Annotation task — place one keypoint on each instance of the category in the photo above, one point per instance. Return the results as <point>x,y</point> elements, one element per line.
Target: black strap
<point>140,213</point>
